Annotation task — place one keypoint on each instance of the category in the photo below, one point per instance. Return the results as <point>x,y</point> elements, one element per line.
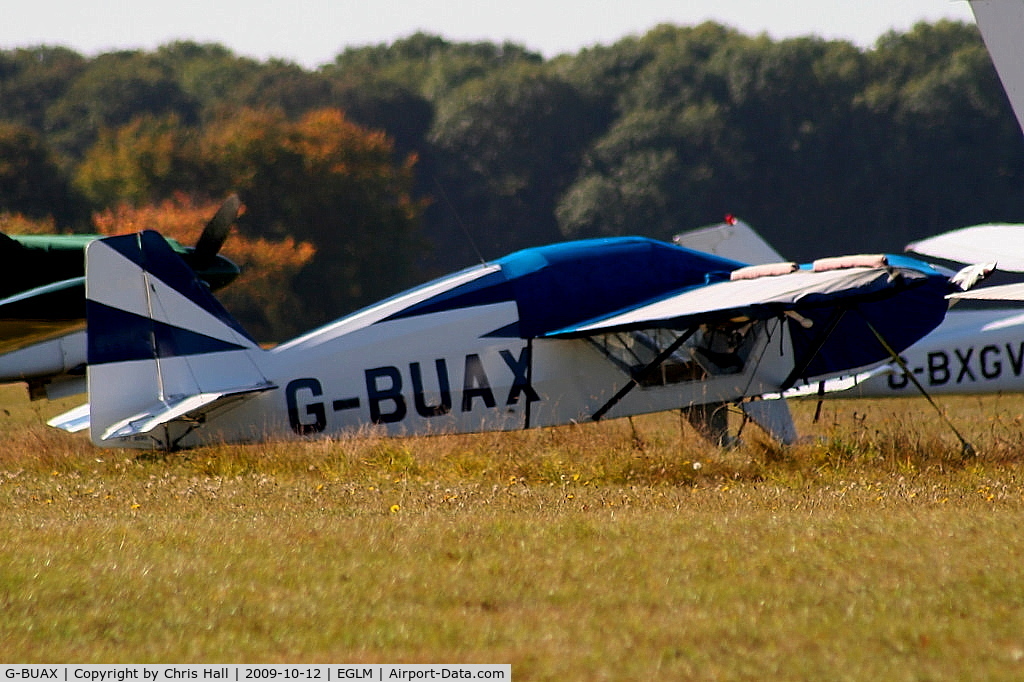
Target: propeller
<point>215,233</point>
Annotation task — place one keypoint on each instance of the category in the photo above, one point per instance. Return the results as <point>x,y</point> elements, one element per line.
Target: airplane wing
<point>1003,292</point>
<point>42,338</point>
<point>1001,243</point>
<point>843,314</point>
<point>21,325</point>
<point>757,298</point>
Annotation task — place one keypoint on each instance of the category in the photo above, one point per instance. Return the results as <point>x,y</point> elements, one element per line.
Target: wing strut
<point>801,367</point>
<point>644,373</point>
<point>967,450</point>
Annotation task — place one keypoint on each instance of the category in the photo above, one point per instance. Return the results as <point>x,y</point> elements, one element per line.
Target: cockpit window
<point>711,351</point>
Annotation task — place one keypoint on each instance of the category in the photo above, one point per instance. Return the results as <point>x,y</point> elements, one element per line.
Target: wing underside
<point>760,298</point>
<point>999,243</point>
<point>41,313</point>
<point>1002,292</point>
<point>838,318</point>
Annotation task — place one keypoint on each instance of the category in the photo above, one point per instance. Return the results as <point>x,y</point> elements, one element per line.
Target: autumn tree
<point>17,223</point>
<point>150,158</point>
<point>331,183</point>
<point>822,145</point>
<point>263,298</point>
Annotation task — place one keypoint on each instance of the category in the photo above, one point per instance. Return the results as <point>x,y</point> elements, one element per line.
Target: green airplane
<point>42,301</point>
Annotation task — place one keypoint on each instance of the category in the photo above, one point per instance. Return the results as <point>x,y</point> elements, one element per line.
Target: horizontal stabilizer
<point>72,421</point>
<point>191,409</point>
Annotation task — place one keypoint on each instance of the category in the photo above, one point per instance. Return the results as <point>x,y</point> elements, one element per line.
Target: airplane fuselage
<point>409,377</point>
<point>442,373</point>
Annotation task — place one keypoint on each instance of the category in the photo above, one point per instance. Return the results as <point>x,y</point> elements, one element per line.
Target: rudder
<point>156,336</point>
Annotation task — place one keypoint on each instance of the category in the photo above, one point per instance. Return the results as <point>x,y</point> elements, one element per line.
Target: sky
<point>312,32</point>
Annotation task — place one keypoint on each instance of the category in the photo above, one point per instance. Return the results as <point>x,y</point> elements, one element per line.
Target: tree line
<point>402,161</point>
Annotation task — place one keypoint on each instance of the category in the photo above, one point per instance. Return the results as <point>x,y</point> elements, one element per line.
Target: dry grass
<point>610,551</point>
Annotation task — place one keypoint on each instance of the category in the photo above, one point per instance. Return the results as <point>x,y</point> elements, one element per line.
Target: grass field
<point>608,551</point>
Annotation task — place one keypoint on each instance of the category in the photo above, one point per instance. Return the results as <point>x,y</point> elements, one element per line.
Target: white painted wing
<point>1003,292</point>
<point>1001,243</point>
<point>724,298</point>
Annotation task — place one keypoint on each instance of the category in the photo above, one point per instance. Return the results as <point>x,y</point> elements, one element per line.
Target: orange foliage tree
<point>149,158</point>
<point>263,297</point>
<point>16,223</point>
<point>320,179</point>
<point>326,180</point>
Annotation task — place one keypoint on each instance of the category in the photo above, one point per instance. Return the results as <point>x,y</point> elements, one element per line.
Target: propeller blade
<point>216,233</point>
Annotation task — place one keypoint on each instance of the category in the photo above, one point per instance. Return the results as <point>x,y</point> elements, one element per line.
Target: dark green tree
<point>508,146</point>
<point>426,64</point>
<point>114,89</point>
<point>949,151</point>
<point>671,156</point>
<point>31,183</point>
<point>32,79</point>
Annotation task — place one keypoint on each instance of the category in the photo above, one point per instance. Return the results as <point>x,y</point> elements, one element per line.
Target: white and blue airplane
<point>979,351</point>
<point>973,351</point>
<point>577,331</point>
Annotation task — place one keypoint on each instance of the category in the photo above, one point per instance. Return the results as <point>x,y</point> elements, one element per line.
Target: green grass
<point>610,551</point>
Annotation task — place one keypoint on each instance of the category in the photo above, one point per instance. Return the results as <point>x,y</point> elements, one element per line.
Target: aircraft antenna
<point>458,219</point>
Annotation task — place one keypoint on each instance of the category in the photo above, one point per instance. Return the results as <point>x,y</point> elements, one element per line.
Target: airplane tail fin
<point>733,239</point>
<point>163,353</point>
<point>1001,23</point>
